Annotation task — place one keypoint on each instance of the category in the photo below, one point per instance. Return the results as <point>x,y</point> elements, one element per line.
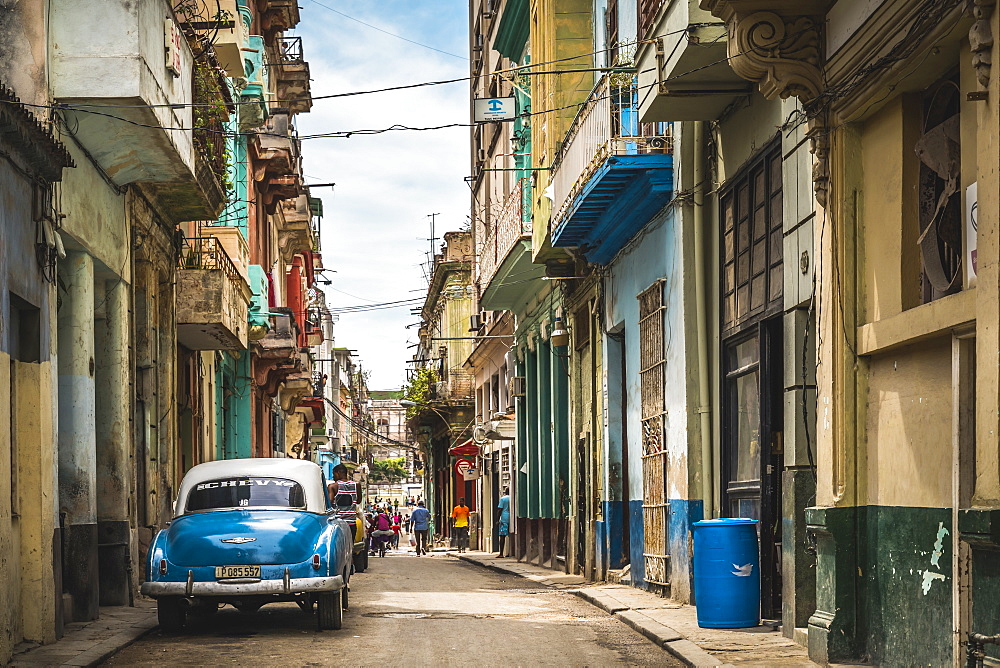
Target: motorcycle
<point>380,542</point>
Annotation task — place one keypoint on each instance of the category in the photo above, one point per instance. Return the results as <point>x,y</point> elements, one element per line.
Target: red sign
<point>463,466</point>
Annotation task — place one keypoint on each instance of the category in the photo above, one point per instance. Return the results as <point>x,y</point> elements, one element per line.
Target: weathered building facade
<point>128,328</point>
<point>778,221</point>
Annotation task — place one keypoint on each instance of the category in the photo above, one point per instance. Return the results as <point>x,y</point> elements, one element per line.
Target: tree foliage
<point>418,390</point>
<point>388,470</point>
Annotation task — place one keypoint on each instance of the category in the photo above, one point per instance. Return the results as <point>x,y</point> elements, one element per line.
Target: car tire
<point>329,613</point>
<point>170,613</point>
<point>344,596</point>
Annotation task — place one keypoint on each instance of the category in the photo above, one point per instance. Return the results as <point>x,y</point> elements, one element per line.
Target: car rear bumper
<point>242,587</point>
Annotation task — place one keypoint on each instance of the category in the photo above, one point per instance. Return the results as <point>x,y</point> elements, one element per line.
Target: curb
<point>91,656</point>
<point>669,639</point>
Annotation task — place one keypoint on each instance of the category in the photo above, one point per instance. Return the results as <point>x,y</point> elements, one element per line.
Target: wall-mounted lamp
<point>559,336</point>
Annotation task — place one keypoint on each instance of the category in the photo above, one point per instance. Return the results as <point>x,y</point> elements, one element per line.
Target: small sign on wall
<point>172,43</point>
<point>971,235</point>
<point>494,109</point>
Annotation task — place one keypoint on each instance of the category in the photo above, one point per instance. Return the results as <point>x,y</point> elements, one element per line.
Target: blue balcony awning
<point>622,196</point>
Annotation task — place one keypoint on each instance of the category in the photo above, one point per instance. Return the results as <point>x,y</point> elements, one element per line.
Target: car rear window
<point>246,492</point>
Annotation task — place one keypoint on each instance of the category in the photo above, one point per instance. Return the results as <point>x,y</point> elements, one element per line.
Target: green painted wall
<point>232,406</point>
<point>883,585</point>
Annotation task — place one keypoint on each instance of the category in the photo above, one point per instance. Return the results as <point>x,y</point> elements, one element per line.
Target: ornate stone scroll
<point>981,39</point>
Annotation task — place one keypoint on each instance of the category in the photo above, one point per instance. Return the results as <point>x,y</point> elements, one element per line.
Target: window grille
<point>652,378</point>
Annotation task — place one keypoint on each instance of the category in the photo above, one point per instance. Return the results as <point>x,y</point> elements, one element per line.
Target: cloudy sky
<point>376,224</point>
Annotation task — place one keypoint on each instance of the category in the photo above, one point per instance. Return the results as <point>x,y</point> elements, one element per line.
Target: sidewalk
<point>89,643</point>
<point>671,625</point>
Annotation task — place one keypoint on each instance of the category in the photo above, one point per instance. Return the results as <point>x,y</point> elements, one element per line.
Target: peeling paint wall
<point>28,517</point>
<point>656,254</point>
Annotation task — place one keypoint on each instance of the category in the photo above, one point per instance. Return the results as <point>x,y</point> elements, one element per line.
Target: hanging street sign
<point>494,109</point>
<point>463,467</point>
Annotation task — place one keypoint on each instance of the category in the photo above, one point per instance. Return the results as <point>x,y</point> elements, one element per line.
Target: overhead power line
<point>391,34</point>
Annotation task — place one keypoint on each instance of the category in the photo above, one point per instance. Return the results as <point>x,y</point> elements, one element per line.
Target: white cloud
<point>375,222</point>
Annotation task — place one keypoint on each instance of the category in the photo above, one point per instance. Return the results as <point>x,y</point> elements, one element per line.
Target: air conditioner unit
<point>475,322</point>
<point>481,155</point>
<point>517,386</point>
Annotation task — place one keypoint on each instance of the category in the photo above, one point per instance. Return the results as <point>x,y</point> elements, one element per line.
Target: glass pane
<point>759,257</point>
<point>748,508</point>
<point>759,222</point>
<point>743,269</point>
<point>775,283</point>
<point>746,446</point>
<point>776,212</point>
<point>246,492</point>
<point>757,297</point>
<point>743,354</point>
<point>742,300</point>
<point>743,235</point>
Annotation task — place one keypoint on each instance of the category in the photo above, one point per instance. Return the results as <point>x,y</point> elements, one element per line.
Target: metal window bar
<point>290,50</point>
<point>652,380</point>
<point>206,253</point>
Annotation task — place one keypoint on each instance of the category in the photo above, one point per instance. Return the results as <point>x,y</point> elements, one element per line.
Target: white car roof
<point>306,473</point>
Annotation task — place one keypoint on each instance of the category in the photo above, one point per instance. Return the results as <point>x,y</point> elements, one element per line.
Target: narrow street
<point>414,611</point>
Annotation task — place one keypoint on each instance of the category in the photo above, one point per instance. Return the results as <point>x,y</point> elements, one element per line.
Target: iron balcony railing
<point>207,253</point>
<point>606,125</point>
<point>508,227</point>
<point>290,50</point>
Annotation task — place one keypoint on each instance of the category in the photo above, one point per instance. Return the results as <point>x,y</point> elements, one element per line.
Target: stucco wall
<point>909,427</point>
<point>27,588</point>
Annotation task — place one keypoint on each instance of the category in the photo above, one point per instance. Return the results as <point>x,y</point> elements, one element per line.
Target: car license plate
<point>227,572</point>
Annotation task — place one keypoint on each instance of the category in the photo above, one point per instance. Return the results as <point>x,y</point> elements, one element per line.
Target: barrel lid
<point>724,521</point>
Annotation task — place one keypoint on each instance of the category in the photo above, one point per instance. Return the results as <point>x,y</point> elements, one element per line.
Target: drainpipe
<point>701,322</point>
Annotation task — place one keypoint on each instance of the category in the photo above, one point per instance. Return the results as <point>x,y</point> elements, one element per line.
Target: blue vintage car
<point>248,532</point>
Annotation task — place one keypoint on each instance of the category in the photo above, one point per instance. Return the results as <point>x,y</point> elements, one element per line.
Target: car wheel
<point>329,613</point>
<point>344,595</point>
<point>170,613</point>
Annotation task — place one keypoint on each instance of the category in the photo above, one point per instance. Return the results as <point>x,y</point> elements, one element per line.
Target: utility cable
<point>391,34</point>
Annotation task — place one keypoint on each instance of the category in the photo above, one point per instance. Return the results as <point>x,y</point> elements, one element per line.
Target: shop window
<point>940,204</point>
<point>752,241</point>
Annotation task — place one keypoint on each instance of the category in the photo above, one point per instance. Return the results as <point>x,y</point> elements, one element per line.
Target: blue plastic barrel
<point>727,573</point>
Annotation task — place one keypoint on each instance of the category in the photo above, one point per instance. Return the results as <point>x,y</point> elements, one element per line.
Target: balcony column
<point>113,446</point>
<point>77,437</point>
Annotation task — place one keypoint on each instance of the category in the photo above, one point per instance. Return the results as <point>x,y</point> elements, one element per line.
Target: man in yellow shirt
<point>460,521</point>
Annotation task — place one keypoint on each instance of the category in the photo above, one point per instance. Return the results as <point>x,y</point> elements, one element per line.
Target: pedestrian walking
<point>340,474</point>
<point>421,519</point>
<point>503,519</point>
<point>460,522</point>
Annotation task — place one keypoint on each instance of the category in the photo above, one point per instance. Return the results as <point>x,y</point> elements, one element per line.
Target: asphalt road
<point>410,611</point>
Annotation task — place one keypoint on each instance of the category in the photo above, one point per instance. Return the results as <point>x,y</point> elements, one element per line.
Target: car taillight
<point>163,566</point>
<point>316,561</point>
